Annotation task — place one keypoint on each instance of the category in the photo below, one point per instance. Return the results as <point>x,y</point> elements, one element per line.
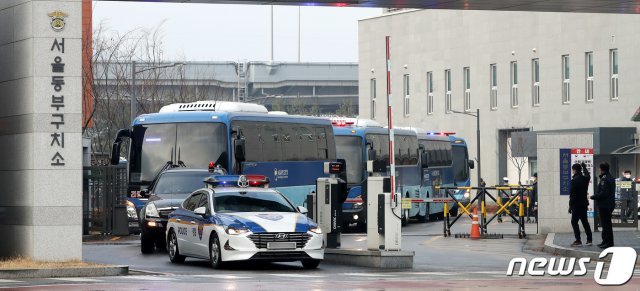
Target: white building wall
<point>435,40</point>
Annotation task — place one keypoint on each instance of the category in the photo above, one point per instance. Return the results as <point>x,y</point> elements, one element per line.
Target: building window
<point>566,84</point>
<point>466,76</point>
<point>429,92</point>
<point>373,98</point>
<point>535,82</point>
<point>588,70</point>
<point>514,84</point>
<point>613,68</point>
<point>447,89</point>
<point>493,84</point>
<point>407,102</point>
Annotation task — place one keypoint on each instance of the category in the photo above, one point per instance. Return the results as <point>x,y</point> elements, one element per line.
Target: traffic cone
<point>475,226</point>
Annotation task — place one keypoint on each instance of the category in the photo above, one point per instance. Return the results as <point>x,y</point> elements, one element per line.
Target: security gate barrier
<point>515,202</point>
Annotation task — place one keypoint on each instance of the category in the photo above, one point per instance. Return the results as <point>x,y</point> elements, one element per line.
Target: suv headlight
<point>233,230</point>
<point>151,210</point>
<point>131,210</point>
<point>315,229</point>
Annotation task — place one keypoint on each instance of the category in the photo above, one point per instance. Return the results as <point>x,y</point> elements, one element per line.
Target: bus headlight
<point>151,210</point>
<point>467,194</point>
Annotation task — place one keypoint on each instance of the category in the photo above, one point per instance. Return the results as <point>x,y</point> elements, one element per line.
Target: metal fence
<point>103,188</point>
<point>625,213</point>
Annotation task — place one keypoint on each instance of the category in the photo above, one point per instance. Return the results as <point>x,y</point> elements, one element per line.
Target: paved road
<point>440,263</point>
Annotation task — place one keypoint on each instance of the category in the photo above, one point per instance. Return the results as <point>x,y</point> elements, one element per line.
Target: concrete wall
<point>435,40</point>
<point>553,208</point>
<point>40,203</point>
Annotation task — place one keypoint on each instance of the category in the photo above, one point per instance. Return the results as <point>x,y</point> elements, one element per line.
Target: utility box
<point>383,222</point>
<point>330,194</point>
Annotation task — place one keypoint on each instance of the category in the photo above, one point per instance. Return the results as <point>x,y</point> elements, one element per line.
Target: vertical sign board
<point>568,157</point>
<point>57,91</point>
<point>565,171</point>
<point>585,155</point>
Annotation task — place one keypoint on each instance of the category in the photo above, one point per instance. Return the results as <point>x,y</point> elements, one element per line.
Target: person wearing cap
<point>605,198</point>
<point>626,196</point>
<point>579,204</point>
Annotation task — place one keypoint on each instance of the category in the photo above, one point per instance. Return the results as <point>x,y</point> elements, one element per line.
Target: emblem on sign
<point>57,20</point>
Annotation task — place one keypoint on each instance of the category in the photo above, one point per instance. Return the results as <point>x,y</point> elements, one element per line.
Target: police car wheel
<point>147,245</point>
<point>310,264</point>
<point>215,254</point>
<point>174,252</point>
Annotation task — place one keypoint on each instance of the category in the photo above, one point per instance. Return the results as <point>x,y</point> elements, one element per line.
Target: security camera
<point>513,53</point>
<point>372,70</point>
<point>533,50</point>
<point>405,66</point>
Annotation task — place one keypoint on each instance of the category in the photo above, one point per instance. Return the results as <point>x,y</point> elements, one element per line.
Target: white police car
<point>237,218</point>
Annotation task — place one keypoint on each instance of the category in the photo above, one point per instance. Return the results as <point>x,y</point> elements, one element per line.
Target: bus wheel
<point>422,218</point>
<point>405,218</point>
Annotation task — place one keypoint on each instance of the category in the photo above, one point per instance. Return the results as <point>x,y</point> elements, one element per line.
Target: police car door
<point>187,228</point>
<point>200,241</point>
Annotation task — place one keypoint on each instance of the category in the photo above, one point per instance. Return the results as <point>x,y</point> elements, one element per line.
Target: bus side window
<point>322,148</point>
<point>272,147</point>
<point>290,143</point>
<point>307,144</point>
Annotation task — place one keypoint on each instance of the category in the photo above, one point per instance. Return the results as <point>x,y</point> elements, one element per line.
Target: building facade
<point>525,72</point>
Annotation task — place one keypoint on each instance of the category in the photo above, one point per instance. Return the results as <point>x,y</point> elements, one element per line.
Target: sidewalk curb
<point>551,248</point>
<point>64,272</point>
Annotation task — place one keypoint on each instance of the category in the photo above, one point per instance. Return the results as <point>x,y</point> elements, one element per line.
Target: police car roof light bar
<point>233,180</point>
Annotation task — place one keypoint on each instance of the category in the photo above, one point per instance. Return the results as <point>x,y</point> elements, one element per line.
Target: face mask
<point>627,176</point>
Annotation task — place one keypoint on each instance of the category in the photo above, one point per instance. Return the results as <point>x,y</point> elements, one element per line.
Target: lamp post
<point>134,100</point>
<point>477,116</point>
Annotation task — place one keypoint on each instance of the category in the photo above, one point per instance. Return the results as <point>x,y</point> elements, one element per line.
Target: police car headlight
<point>236,230</point>
<point>151,210</point>
<point>316,230</point>
<point>131,210</point>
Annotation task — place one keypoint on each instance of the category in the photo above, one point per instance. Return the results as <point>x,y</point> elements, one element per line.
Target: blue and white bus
<point>354,137</point>
<point>449,165</point>
<point>242,138</point>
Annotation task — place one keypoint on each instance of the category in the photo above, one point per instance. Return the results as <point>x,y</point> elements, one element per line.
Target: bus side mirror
<point>471,164</point>
<point>239,150</point>
<point>371,153</point>
<point>117,143</point>
<point>424,159</point>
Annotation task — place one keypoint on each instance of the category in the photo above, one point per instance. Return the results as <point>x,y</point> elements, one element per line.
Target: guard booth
<point>625,213</point>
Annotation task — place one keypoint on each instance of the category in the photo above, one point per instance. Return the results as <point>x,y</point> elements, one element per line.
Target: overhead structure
<point>592,6</point>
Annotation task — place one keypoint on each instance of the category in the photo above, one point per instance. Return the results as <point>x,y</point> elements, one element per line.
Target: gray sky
<point>216,32</point>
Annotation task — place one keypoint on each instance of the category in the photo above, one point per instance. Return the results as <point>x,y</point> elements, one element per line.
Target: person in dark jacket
<point>606,200</point>
<point>579,203</point>
<point>628,206</point>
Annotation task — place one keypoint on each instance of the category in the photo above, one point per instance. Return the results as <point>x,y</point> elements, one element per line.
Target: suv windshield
<point>176,185</point>
<point>251,202</point>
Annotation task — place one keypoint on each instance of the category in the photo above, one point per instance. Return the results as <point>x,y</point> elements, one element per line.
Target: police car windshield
<point>175,185</point>
<point>251,202</point>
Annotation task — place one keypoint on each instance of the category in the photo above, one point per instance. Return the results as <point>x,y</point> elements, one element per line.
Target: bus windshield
<point>350,149</point>
<point>460,165</point>
<point>194,144</point>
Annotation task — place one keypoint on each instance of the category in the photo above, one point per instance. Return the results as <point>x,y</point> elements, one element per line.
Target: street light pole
<point>479,172</point>
<point>134,100</point>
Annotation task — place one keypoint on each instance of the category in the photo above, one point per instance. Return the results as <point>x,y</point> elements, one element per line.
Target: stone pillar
<point>40,129</point>
<point>553,208</point>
